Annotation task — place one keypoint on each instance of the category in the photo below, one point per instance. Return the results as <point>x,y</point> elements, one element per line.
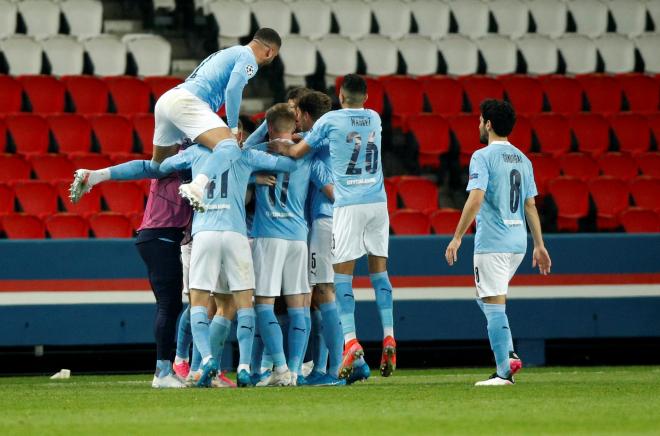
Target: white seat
<point>471,17</point>
<point>550,16</point>
<point>540,54</point>
<point>168,5</point>
<point>354,18</point>
<point>590,17</point>
<point>298,56</point>
<point>393,17</point>
<point>380,54</point>
<point>460,54</point>
<point>274,14</point>
<point>432,18</point>
<point>23,54</point>
<point>618,53</point>
<point>339,54</point>
<point>629,16</point>
<point>203,5</point>
<point>233,18</point>
<point>41,17</point>
<point>108,55</point>
<point>653,8</point>
<point>152,53</point>
<point>85,17</point>
<point>8,18</point>
<point>512,17</point>
<point>649,47</point>
<point>500,54</point>
<point>65,54</point>
<point>314,17</point>
<point>420,55</point>
<point>579,52</point>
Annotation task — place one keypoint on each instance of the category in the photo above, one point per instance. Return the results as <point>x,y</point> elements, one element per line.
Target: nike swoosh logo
<point>299,329</point>
<point>389,291</point>
<point>246,327</point>
<point>505,327</point>
<point>273,322</point>
<point>350,296</point>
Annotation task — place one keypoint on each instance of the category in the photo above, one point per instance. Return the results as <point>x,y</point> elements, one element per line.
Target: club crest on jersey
<point>250,70</point>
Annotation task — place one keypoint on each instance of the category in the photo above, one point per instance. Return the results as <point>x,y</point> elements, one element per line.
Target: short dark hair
<point>296,92</point>
<point>315,103</point>
<point>281,118</point>
<point>268,36</point>
<point>354,87</point>
<point>501,115</point>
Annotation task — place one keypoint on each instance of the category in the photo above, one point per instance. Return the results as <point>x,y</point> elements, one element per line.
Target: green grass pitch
<point>612,400</point>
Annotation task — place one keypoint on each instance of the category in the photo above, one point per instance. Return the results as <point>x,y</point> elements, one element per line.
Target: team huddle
<point>286,270</point>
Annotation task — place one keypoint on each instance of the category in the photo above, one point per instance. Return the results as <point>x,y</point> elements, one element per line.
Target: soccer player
<point>280,252</point>
<point>360,222</point>
<point>502,191</point>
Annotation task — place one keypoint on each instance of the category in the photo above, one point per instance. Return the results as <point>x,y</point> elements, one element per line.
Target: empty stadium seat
<point>618,53</point>
<point>41,17</point>
<point>466,132</point>
<point>632,132</point>
<point>107,54</point>
<point>524,92</point>
<point>144,127</point>
<point>546,168</point>
<point>89,95</point>
<point>88,204</point>
<point>590,17</point>
<point>511,16</point>
<point>592,132</point>
<point>84,17</point>
<point>410,222</point>
<point>579,53</point>
<point>647,44</point>
<point>29,133</point>
<point>380,54</point>
<point>390,191</point>
<point>653,9</point>
<point>418,193</point>
<point>500,54</point>
<point>11,94</point>
<point>375,90</point>
<point>637,220</point>
<point>7,198</point>
<point>232,16</point>
<point>579,166</point>
<point>3,136</point>
<point>553,133</point>
<point>610,196</point>
<point>521,135</point>
<point>646,192</point>
<point>393,17</point>
<point>90,161</point>
<point>550,16</point>
<point>445,94</point>
<point>129,94</point>
<point>23,226</point>
<point>478,88</point>
<point>460,54</point>
<point>572,199</point>
<point>72,133</point>
<point>603,92</point>
<point>432,135</point>
<point>618,165</point>
<point>275,14</point>
<point>50,167</point>
<point>113,133</point>
<point>136,220</point>
<point>642,92</point>
<point>13,167</point>
<point>46,93</point>
<point>65,54</point>
<point>353,18</point>
<point>111,225</point>
<point>313,17</point>
<point>298,55</point>
<point>564,93</point>
<point>123,197</point>
<point>629,16</point>
<point>445,220</point>
<point>8,18</point>
<point>67,225</point>
<point>406,97</point>
<point>471,17</point>
<point>23,54</point>
<point>339,54</point>
<point>420,55</point>
<point>36,197</point>
<point>649,164</point>
<point>432,18</point>
<point>161,84</point>
<point>152,53</point>
<point>654,124</point>
<point>540,53</point>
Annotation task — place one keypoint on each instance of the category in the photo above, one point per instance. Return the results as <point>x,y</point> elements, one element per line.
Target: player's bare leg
<point>219,331</point>
<point>383,289</point>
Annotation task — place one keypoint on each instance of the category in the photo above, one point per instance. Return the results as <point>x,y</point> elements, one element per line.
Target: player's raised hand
<point>541,257</point>
<point>451,254</point>
<point>266,179</point>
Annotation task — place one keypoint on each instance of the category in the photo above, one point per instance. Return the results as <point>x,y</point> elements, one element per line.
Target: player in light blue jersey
<point>361,222</point>
<point>502,191</point>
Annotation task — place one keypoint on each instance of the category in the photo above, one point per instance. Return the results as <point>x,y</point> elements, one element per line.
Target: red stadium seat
<point>410,222</point>
<point>36,197</point>
<point>432,135</point>
<point>444,221</point>
<point>50,167</point>
<point>632,131</point>
<point>521,136</point>
<point>144,127</point>
<point>637,220</point>
<point>564,93</point>
<point>89,203</point>
<point>90,161</point>
<point>580,166</point>
<point>390,191</point>
<point>125,157</point>
<point>46,93</point>
<point>524,92</point>
<point>553,133</point>
<point>114,133</point>
<point>136,220</point>
<point>646,192</point>
<point>406,97</point>
<point>610,196</point>
<point>572,199</point>
<point>7,199</point>
<point>3,135</point>
<point>29,133</point>
<point>592,132</point>
<point>654,123</point>
<point>111,225</point>
<point>418,193</point>
<point>160,84</point>
<point>649,163</point>
<point>23,226</point>
<point>642,92</point>
<point>72,132</point>
<point>546,168</point>
<point>146,186</point>
<point>130,95</point>
<point>478,88</point>
<point>11,94</point>
<point>603,92</point>
<point>13,167</point>
<point>66,225</point>
<point>618,165</point>
<point>89,94</point>
<point>375,90</point>
<point>123,197</point>
<point>466,132</point>
<point>445,94</point>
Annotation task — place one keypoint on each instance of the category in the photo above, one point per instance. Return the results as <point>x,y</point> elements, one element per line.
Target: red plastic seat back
<point>466,131</point>
<point>418,193</point>
<point>405,94</point>
<point>36,197</point>
<point>444,221</point>
<point>479,88</point>
<point>114,133</point>
<point>46,93</point>
<point>123,197</point>
<point>642,92</point>
<point>29,132</point>
<point>618,165</point>
<point>564,93</point>
<point>11,94</point>
<point>7,199</point>
<point>649,163</point>
<point>410,222</point>
<point>375,91</point>
<point>604,93</point>
<point>592,132</point>
<point>72,132</point>
<point>14,167</point>
<point>144,125</point>
<point>129,94</point>
<point>580,166</point>
<point>23,226</point>
<point>524,92</point>
<point>637,220</point>
<point>64,226</point>
<point>111,225</point>
<point>521,136</point>
<point>610,195</point>
<point>571,197</point>
<point>89,94</point>
<point>161,84</point>
<point>632,131</point>
<point>50,167</point>
<point>553,133</point>
<point>646,192</point>
<point>445,94</point>
<point>546,168</point>
<point>432,135</point>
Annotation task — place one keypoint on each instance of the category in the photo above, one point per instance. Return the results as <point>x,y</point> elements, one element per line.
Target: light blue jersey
<point>507,177</point>
<point>221,77</point>
<point>280,211</point>
<point>354,137</point>
<point>320,206</point>
<point>225,193</point>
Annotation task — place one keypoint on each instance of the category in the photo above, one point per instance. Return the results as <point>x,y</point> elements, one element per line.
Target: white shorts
<point>280,267</point>
<point>185,262</point>
<point>360,229</point>
<point>181,115</point>
<point>320,252</point>
<point>493,272</point>
<point>221,262</point>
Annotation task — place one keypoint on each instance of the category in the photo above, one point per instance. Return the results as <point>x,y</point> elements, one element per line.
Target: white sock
<point>281,369</point>
<point>206,359</point>
<point>243,366</point>
<point>179,360</point>
<point>388,331</point>
<point>349,337</point>
<point>98,176</point>
<point>201,180</point>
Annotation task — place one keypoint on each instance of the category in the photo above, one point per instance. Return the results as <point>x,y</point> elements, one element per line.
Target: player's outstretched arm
<point>233,97</point>
<point>178,162</point>
<point>470,210</point>
<point>257,137</point>
<point>540,256</point>
<point>285,148</point>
